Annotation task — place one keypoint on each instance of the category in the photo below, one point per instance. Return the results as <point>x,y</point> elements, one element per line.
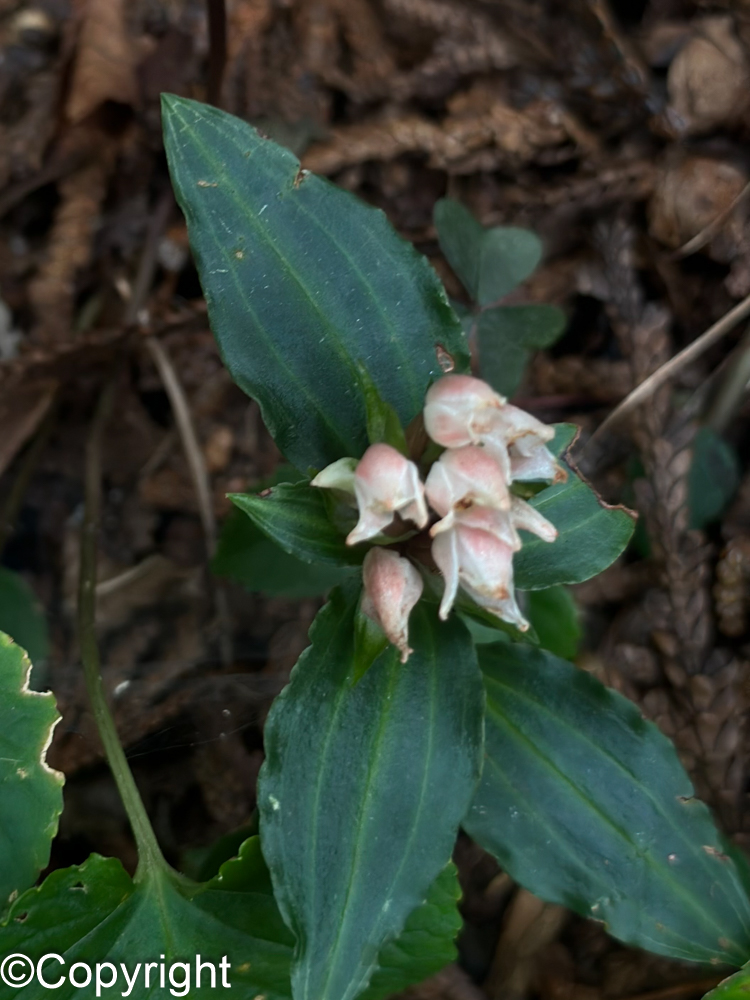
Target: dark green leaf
<point>425,945</point>
<point>304,282</point>
<point>714,478</point>
<point>22,616</point>
<point>363,788</point>
<point>489,262</point>
<point>247,556</point>
<point>295,516</point>
<point>586,804</point>
<point>383,424</point>
<point>508,334</point>
<point>369,642</point>
<point>96,913</point>
<point>30,792</point>
<point>554,616</point>
<point>591,535</point>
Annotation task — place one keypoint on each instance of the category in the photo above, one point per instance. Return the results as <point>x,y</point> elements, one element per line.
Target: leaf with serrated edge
<point>303,281</point>
<point>95,913</point>
<point>363,787</point>
<point>591,535</point>
<point>30,791</point>
<point>585,803</point>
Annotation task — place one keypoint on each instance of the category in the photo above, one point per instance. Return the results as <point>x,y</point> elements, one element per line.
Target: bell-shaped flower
<point>528,518</point>
<point>478,560</point>
<point>458,410</point>
<point>466,477</point>
<point>386,483</point>
<point>517,440</point>
<point>392,588</point>
<point>499,523</point>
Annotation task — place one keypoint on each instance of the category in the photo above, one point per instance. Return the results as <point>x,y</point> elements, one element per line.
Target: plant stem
<point>150,857</point>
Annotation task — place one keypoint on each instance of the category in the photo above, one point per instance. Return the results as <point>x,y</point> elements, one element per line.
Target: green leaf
<point>96,913</point>
<point>383,424</point>
<point>508,334</point>
<point>489,262</point>
<point>30,791</point>
<point>295,516</point>
<point>736,987</point>
<point>303,282</point>
<point>586,804</point>
<point>22,616</point>
<point>247,556</point>
<point>591,535</point>
<point>363,788</point>
<point>425,945</point>
<point>714,477</point>
<point>554,616</point>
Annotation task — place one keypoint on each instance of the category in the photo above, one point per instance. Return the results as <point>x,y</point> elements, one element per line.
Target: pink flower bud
<point>528,518</point>
<point>392,588</point>
<point>505,608</point>
<point>458,410</point>
<point>478,559</point>
<point>386,483</point>
<point>465,477</point>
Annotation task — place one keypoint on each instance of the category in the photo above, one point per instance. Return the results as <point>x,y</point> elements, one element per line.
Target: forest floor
<point>617,131</point>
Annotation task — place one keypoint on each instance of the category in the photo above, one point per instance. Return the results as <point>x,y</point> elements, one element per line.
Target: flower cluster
<point>488,444</point>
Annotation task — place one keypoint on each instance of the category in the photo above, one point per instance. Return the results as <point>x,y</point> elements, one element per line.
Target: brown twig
<point>198,472</point>
<point>708,232</point>
<point>646,389</point>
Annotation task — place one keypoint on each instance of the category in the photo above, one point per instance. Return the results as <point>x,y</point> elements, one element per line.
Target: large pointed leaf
<point>30,791</point>
<point>363,788</point>
<point>586,804</point>
<point>296,517</point>
<point>591,535</point>
<point>735,987</point>
<point>78,913</point>
<point>303,282</point>
<point>489,262</point>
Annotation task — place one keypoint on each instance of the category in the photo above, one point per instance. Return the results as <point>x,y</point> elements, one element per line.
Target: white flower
<point>465,477</point>
<point>458,410</point>
<point>461,410</point>
<point>476,551</point>
<point>338,475</point>
<point>528,518</point>
<point>477,559</point>
<point>392,588</point>
<point>386,483</point>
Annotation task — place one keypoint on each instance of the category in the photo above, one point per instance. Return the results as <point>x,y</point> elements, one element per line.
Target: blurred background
<point>617,131</point>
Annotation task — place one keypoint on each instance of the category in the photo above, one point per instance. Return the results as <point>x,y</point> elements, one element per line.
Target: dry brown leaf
<point>52,292</point>
<point>105,63</point>
<point>22,409</point>
<point>708,79</point>
<point>690,195</point>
